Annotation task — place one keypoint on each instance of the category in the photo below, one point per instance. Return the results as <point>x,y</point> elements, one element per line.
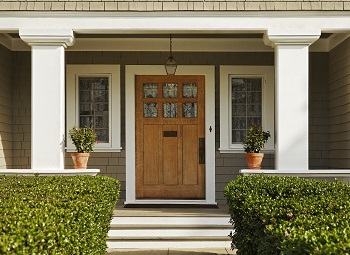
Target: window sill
<point>234,150</point>
<point>98,149</point>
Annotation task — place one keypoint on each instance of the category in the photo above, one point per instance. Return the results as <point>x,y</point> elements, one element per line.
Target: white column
<point>48,96</point>
<point>291,97</point>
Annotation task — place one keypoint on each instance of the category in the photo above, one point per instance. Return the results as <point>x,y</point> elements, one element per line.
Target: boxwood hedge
<point>56,215</point>
<point>289,215</point>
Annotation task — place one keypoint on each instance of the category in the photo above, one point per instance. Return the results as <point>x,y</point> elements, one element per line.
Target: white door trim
<point>209,72</point>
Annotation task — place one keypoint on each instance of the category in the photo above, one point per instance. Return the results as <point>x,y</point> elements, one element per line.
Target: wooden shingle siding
<point>21,103</point>
<point>176,5</point>
<point>339,106</point>
<point>5,108</point>
<point>318,111</point>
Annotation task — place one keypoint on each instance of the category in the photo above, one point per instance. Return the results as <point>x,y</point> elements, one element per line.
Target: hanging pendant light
<point>170,64</point>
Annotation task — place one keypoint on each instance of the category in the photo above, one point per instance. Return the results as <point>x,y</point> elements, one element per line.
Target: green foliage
<point>289,215</point>
<point>56,214</point>
<point>83,139</point>
<point>255,139</point>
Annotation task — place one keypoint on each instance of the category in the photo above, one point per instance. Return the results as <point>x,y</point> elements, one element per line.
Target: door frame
<point>130,130</point>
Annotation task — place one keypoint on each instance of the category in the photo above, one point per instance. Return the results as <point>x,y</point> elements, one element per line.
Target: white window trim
<point>268,99</point>
<point>112,71</point>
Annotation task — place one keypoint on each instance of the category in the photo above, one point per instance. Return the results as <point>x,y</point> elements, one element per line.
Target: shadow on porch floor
<point>164,211</point>
<point>222,251</point>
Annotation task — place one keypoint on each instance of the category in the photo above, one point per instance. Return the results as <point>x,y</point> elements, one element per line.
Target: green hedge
<point>289,215</point>
<point>56,215</point>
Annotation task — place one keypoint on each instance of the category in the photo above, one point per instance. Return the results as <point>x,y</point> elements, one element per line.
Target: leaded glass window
<point>150,90</point>
<point>150,110</point>
<point>94,105</point>
<point>246,106</point>
<point>189,110</point>
<point>170,110</point>
<point>189,90</point>
<point>170,90</point>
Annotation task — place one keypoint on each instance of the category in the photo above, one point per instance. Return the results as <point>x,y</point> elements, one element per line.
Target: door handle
<point>201,151</point>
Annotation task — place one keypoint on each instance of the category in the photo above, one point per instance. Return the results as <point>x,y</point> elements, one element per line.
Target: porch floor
<point>181,211</point>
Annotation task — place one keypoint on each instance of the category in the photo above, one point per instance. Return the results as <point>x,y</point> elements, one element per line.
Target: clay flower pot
<point>254,160</point>
<point>80,160</point>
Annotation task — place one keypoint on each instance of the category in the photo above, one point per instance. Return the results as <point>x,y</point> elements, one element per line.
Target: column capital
<point>48,37</point>
<point>273,37</point>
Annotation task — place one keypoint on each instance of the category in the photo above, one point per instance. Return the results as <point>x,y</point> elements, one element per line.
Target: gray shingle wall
<point>339,106</point>
<point>21,103</point>
<point>113,164</point>
<point>5,108</point>
<point>318,115</point>
<point>176,5</point>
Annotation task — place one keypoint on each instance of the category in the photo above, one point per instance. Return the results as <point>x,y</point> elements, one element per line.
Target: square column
<point>48,96</point>
<point>291,97</point>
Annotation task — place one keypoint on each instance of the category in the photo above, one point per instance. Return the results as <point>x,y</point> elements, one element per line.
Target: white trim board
<point>209,72</point>
<point>179,44</point>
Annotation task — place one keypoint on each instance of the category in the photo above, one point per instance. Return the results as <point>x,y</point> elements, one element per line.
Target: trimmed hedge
<point>56,214</point>
<point>289,215</point>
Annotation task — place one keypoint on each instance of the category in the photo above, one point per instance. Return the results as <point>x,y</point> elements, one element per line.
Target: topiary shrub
<point>289,215</point>
<point>56,215</point>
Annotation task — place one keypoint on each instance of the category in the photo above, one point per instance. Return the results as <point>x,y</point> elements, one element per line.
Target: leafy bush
<point>289,215</point>
<point>56,214</point>
<point>83,138</point>
<point>256,139</point>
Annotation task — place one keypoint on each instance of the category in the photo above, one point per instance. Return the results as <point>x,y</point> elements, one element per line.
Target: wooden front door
<point>170,145</point>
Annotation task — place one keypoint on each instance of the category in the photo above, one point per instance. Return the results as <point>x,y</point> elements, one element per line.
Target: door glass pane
<point>170,110</point>
<point>189,110</point>
<point>189,90</point>
<point>150,90</point>
<point>150,110</point>
<point>170,90</point>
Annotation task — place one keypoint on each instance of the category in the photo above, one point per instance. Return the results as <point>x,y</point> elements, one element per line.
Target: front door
<point>170,145</point>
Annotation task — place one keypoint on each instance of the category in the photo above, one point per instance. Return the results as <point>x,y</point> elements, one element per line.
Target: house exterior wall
<point>339,106</point>
<point>318,111</point>
<point>21,105</point>
<point>5,108</point>
<point>176,5</point>
<point>227,166</point>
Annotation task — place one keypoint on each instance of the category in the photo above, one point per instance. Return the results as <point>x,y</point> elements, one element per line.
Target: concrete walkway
<point>220,251</point>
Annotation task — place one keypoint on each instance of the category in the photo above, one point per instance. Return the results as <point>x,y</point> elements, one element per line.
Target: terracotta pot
<point>80,160</point>
<point>254,160</point>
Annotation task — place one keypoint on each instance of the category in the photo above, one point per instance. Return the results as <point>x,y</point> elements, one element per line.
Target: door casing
<point>209,72</point>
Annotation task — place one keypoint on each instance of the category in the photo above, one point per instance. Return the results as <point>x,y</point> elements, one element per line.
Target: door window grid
<point>170,91</point>
<point>94,105</point>
<point>246,102</point>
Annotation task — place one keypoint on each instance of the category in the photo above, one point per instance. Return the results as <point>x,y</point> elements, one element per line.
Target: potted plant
<point>84,141</point>
<point>253,144</point>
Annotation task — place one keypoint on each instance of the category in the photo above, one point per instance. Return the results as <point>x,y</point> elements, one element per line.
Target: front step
<point>169,232</point>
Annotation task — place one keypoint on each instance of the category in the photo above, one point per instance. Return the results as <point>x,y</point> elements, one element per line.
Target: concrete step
<point>169,232</point>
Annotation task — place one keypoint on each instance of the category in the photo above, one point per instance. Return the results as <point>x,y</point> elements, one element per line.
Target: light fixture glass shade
<point>170,65</point>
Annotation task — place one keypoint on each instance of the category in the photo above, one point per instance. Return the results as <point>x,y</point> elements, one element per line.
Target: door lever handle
<point>201,151</point>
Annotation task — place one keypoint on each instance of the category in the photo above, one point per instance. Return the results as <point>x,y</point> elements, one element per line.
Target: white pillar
<point>291,97</point>
<point>48,96</point>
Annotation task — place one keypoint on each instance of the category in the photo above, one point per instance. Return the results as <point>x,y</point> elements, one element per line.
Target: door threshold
<point>170,204</point>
